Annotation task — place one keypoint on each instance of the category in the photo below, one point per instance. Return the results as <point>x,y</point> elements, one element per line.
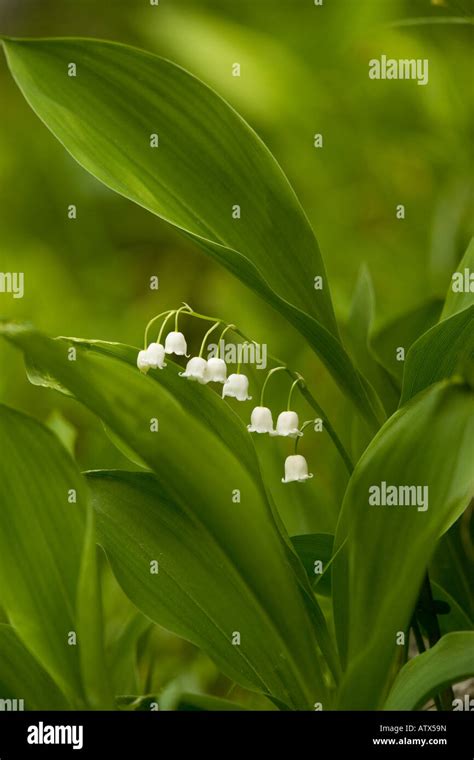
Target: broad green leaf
<point>312,548</point>
<point>358,336</point>
<point>42,533</point>
<point>429,443</point>
<point>451,660</point>
<point>203,473</point>
<point>201,702</point>
<point>402,333</point>
<point>461,291</point>
<point>439,353</point>
<point>208,162</point>
<point>90,624</point>
<point>198,591</point>
<point>22,677</point>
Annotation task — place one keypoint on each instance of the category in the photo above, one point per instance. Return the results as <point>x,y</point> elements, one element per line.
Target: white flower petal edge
<point>296,469</point>
<point>216,370</point>
<point>236,386</point>
<point>156,356</point>
<point>142,362</point>
<point>288,425</point>
<point>261,420</point>
<point>196,369</point>
<point>175,343</point>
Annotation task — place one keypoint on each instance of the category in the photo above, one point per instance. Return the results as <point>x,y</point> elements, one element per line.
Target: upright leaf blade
<point>428,443</point>
<point>41,540</point>
<point>196,589</point>
<point>207,163</point>
<point>439,353</point>
<point>461,291</point>
<point>451,660</point>
<point>23,678</point>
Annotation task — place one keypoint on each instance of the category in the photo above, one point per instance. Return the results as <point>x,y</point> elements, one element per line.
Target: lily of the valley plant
<point>373,615</point>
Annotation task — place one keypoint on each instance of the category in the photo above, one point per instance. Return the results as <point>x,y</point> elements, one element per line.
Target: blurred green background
<point>304,71</point>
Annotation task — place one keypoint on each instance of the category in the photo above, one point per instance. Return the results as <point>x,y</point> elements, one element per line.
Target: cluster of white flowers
<point>214,370</point>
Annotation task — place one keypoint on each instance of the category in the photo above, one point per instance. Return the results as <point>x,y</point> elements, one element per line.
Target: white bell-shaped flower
<point>261,420</point>
<point>156,356</point>
<point>216,370</point>
<point>237,386</point>
<point>196,369</point>
<point>296,469</point>
<point>175,343</point>
<point>288,425</point>
<point>143,363</point>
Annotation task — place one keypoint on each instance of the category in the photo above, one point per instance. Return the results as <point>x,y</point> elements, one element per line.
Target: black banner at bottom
<point>219,734</point>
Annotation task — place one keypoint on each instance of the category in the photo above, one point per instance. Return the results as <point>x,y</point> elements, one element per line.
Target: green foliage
<point>449,661</point>
<point>193,534</point>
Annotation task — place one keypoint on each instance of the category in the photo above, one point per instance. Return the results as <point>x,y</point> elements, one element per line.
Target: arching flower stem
<point>293,386</point>
<point>152,321</point>
<point>275,369</point>
<point>204,340</point>
<point>160,335</point>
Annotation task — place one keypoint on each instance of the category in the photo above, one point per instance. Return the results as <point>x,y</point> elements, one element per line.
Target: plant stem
<point>306,393</point>
<point>160,334</point>
<point>229,327</point>
<point>176,315</point>
<point>203,344</point>
<point>275,369</point>
<point>293,386</point>
<point>158,316</point>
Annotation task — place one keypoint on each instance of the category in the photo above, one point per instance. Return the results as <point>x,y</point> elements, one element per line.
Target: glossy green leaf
<point>208,161</point>
<point>311,548</point>
<point>22,677</point>
<point>461,291</point>
<point>451,660</point>
<point>204,477</point>
<point>42,532</point>
<point>439,353</point>
<point>376,577</point>
<point>198,591</point>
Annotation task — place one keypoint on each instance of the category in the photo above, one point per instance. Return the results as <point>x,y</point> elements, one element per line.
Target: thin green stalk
<point>293,386</point>
<point>229,327</point>
<point>160,334</point>
<point>302,428</point>
<point>204,340</point>
<point>152,321</point>
<point>177,313</point>
<point>272,371</point>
